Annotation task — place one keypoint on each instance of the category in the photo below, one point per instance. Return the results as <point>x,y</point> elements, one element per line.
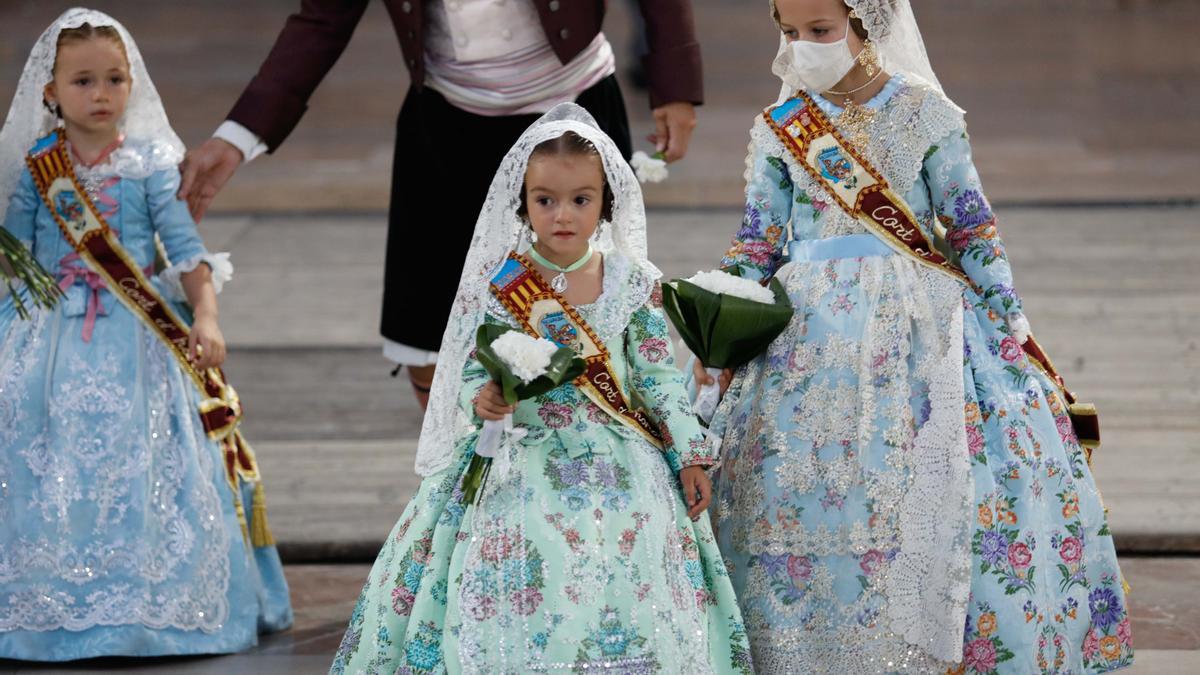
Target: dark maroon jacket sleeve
<point>312,40</point>
<point>672,65</point>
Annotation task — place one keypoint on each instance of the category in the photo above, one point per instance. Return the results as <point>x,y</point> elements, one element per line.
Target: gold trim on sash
<point>544,313</point>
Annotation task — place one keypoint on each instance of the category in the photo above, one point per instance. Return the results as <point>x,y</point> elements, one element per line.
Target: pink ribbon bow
<point>70,271</point>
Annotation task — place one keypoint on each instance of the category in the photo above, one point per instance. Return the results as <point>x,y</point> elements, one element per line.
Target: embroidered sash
<point>859,189</point>
<point>544,313</point>
<point>863,193</point>
<point>97,246</point>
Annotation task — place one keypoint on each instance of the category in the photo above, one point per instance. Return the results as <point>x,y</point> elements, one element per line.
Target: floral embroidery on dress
<point>511,561</point>
<point>423,652</point>
<point>983,650</point>
<point>611,643</point>
<point>409,573</point>
<point>587,481</point>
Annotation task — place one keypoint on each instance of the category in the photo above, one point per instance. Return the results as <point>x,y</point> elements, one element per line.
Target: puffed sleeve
<point>659,385</point>
<point>961,207</point>
<point>758,246</point>
<point>19,220</point>
<point>175,228</point>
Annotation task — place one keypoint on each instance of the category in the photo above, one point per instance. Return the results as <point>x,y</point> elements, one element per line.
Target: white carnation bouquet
<point>726,321</point>
<point>526,356</point>
<point>525,367</point>
<point>724,283</point>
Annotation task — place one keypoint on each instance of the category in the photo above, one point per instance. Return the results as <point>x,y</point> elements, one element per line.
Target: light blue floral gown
<point>894,468</point>
<point>579,556</point>
<point>118,532</point>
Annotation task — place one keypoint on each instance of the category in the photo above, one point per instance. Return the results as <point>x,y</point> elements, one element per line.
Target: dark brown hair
<point>571,144</point>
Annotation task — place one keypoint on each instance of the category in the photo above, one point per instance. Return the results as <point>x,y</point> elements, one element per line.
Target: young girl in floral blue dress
<point>895,468</point>
<point>130,523</point>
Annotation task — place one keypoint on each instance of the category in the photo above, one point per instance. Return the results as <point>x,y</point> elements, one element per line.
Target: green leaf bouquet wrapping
<point>16,262</point>
<point>726,321</point>
<point>525,367</point>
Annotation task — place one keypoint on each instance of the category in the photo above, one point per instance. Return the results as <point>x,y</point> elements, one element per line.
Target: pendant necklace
<point>92,175</point>
<point>559,282</point>
<point>855,119</point>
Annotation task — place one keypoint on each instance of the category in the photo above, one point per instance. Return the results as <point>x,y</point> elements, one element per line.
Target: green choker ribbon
<point>559,282</point>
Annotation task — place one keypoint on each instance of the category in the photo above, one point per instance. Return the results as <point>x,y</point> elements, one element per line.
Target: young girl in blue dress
<point>902,488</point>
<point>126,527</point>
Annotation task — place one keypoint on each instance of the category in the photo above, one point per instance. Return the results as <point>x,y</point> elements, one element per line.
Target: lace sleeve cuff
<point>222,271</point>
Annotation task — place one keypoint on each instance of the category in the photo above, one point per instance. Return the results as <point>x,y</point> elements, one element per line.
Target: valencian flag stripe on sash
<point>83,226</point>
<point>863,193</point>
<point>544,313</point>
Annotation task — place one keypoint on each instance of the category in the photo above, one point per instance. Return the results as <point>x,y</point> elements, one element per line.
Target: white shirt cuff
<point>407,356</point>
<point>241,138</point>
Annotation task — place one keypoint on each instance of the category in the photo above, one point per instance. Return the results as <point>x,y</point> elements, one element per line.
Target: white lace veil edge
<point>892,26</point>
<point>499,231</point>
<point>145,120</point>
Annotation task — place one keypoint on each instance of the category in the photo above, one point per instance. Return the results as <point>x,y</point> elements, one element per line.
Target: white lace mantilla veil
<point>498,231</point>
<point>145,122</point>
<point>892,26</point>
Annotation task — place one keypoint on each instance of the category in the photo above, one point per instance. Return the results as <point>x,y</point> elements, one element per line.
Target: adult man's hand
<point>205,171</point>
<point>674,123</point>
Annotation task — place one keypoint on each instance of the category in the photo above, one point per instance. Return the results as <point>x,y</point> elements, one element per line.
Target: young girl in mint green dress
<point>580,553</point>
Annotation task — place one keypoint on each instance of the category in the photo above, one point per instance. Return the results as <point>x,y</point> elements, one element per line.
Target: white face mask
<point>820,65</point>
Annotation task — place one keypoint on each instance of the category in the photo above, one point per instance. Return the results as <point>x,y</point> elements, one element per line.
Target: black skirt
<point>444,163</point>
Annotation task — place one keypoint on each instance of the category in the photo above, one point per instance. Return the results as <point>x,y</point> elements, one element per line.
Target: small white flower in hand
<point>527,356</point>
<point>649,169</point>
<point>1019,325</point>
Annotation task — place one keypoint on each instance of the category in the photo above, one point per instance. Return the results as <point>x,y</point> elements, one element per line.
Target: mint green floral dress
<point>578,555</point>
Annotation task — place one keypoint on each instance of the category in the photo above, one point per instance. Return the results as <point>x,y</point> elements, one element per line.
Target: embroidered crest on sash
<point>542,312</point>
